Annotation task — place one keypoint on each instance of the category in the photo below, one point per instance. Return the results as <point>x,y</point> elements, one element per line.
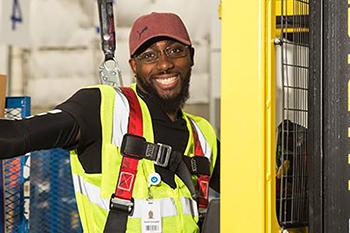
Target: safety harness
<point>134,147</point>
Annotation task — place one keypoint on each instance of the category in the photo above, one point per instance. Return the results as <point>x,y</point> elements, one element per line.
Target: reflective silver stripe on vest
<point>205,145</point>
<point>168,207</point>
<point>120,118</point>
<point>91,191</point>
<point>189,206</point>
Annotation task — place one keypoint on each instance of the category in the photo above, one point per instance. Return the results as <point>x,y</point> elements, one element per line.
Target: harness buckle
<point>136,147</point>
<point>194,168</point>
<point>163,155</point>
<point>116,203</point>
<point>129,143</point>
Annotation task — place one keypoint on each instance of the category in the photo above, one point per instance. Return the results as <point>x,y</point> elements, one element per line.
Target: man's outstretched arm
<point>44,131</point>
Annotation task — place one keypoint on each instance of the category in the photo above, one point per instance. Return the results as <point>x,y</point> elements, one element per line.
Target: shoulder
<point>86,93</point>
<point>95,90</point>
<point>84,101</point>
<point>202,123</point>
<point>92,94</point>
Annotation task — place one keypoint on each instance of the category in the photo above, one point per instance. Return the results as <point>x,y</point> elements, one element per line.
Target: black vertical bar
<point>336,117</point>
<point>315,127</point>
<point>329,159</point>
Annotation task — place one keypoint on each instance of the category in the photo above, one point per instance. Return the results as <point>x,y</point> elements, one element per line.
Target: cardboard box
<point>2,94</point>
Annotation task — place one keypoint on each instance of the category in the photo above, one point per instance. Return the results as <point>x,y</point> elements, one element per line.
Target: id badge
<point>151,220</point>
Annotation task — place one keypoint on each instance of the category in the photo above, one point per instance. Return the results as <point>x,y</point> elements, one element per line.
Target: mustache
<point>167,104</point>
<point>156,75</point>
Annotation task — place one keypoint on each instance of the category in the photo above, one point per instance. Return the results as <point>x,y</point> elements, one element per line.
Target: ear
<point>132,63</point>
<point>192,55</point>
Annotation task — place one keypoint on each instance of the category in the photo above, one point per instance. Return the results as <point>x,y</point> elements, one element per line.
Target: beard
<point>169,104</point>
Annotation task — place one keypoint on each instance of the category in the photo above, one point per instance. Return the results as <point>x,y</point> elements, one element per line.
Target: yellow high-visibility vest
<point>179,211</point>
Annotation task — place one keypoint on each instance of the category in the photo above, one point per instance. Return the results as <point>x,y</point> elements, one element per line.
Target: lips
<point>167,81</point>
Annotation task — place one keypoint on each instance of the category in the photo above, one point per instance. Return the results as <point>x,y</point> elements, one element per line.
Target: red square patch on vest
<point>203,189</point>
<point>126,181</point>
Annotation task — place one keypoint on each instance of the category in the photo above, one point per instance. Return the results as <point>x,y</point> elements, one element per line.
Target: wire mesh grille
<point>53,204</point>
<point>291,185</point>
<point>14,195</point>
<point>15,184</point>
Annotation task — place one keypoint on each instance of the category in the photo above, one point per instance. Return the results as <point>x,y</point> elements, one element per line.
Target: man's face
<point>164,69</point>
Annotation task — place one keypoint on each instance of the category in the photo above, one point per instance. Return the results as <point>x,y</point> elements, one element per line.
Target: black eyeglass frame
<point>153,55</point>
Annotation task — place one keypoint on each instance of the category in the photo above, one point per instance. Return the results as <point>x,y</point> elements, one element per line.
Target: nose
<point>164,62</point>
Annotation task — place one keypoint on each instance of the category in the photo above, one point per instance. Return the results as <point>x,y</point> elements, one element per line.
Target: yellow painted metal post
<point>2,94</point>
<point>270,105</point>
<point>244,117</point>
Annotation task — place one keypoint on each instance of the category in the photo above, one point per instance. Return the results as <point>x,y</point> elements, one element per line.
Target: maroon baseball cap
<point>155,24</point>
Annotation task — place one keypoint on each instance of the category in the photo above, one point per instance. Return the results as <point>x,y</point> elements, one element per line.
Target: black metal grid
<point>291,185</point>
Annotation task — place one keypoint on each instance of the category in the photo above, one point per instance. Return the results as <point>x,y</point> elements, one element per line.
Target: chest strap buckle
<point>116,203</point>
<point>163,155</point>
<point>137,147</point>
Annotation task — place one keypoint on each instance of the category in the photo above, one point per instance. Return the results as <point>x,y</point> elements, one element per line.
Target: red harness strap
<point>203,180</point>
<point>128,167</point>
<point>121,203</point>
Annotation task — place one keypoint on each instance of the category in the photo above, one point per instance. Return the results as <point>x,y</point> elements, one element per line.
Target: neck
<point>172,115</point>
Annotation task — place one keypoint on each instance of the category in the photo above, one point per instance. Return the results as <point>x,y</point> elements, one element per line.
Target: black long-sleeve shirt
<point>81,115</point>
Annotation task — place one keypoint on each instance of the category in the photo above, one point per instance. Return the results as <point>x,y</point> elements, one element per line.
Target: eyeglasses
<point>175,50</point>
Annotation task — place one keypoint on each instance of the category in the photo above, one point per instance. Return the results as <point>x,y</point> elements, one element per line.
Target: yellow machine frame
<point>248,118</point>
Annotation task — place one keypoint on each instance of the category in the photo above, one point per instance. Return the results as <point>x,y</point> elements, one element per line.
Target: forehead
<point>158,42</point>
<point>163,43</point>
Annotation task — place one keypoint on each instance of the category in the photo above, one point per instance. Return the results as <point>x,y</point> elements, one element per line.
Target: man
<point>134,144</point>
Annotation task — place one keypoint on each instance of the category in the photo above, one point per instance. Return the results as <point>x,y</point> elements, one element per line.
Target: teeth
<point>166,81</point>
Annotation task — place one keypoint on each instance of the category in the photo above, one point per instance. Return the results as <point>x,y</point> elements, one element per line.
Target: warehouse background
<point>55,50</point>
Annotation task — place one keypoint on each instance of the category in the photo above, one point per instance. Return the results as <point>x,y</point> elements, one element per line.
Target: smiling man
<point>164,70</point>
<point>139,163</point>
<point>161,58</point>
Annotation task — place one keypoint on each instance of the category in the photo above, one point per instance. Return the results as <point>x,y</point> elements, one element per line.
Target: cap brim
<point>186,42</point>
